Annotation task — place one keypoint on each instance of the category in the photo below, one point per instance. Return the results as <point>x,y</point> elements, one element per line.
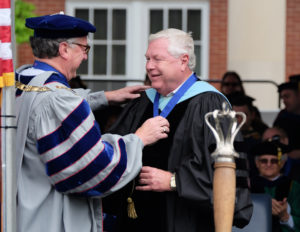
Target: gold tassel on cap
<point>131,209</point>
<point>279,155</point>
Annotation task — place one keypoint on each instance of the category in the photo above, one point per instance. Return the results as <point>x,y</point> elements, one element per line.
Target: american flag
<point>6,62</point>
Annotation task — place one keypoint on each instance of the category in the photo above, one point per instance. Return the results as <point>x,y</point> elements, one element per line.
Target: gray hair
<point>47,48</point>
<point>180,43</point>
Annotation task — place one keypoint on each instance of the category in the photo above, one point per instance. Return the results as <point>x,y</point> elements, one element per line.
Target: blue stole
<point>194,88</point>
<point>46,67</point>
<point>59,77</point>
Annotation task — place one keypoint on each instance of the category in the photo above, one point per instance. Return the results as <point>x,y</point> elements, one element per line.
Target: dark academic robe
<point>185,152</point>
<point>281,188</point>
<point>290,122</point>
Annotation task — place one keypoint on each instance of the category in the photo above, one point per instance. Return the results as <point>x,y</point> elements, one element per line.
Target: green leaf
<point>23,10</point>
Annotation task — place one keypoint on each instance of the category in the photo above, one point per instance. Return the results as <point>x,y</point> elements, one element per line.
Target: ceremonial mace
<point>224,183</point>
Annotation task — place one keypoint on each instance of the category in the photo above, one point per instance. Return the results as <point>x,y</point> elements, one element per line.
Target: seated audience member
<point>243,103</point>
<point>270,158</point>
<point>276,134</point>
<point>289,120</point>
<point>231,83</point>
<point>252,135</point>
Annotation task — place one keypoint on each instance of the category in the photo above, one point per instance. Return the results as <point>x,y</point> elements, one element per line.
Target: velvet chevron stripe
<point>79,149</point>
<point>62,133</point>
<point>95,174</point>
<point>102,160</point>
<point>113,178</point>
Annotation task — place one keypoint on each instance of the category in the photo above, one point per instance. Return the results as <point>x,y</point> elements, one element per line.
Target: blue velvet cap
<point>59,26</point>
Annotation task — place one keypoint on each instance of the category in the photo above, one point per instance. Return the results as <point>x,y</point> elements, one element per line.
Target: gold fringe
<point>131,209</point>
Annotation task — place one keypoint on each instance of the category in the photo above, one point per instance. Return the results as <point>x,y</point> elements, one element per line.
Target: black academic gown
<point>185,152</point>
<point>290,122</point>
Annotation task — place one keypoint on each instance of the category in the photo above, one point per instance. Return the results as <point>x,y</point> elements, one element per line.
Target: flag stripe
<point>5,15</point>
<point>5,4</point>
<point>5,49</point>
<point>5,34</point>
<point>7,66</point>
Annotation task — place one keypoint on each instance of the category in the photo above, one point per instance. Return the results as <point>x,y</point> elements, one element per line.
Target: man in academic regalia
<point>64,164</point>
<point>174,189</point>
<point>270,158</point>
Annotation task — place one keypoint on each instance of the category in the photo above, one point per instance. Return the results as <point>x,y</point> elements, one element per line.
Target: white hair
<point>180,43</point>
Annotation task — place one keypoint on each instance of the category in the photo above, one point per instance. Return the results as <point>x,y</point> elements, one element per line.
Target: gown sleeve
<point>96,100</point>
<point>78,159</point>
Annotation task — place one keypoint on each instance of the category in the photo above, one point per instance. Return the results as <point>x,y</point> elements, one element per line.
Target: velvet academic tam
<point>59,26</point>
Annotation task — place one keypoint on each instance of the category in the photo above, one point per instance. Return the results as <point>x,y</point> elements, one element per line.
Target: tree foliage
<point>23,10</point>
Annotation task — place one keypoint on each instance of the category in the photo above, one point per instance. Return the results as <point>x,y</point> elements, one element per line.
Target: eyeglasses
<point>265,161</point>
<point>86,47</point>
<point>231,84</point>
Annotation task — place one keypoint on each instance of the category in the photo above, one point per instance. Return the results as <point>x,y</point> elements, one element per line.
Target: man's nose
<point>149,65</point>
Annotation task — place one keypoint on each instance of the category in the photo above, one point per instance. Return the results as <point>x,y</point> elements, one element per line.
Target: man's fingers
<point>143,188</point>
<point>138,88</point>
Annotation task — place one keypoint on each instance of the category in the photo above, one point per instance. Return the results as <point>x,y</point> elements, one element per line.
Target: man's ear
<point>184,61</point>
<point>63,50</point>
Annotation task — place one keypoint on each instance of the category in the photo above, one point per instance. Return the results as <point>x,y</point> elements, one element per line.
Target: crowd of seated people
<point>264,146</point>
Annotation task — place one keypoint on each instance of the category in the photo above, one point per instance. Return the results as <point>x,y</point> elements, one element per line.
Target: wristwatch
<point>173,182</point>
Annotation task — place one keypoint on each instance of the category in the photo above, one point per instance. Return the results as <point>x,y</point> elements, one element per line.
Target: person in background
<point>77,82</point>
<point>270,158</point>
<point>289,120</point>
<point>278,135</point>
<point>251,134</point>
<point>64,164</point>
<point>252,128</point>
<point>231,83</point>
<point>173,191</point>
<point>232,86</point>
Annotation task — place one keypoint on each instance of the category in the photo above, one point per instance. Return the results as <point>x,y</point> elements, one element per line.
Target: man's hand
<point>153,130</point>
<point>279,209</point>
<point>154,179</point>
<point>120,96</point>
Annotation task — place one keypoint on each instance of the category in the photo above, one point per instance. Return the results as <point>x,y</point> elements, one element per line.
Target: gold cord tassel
<point>131,209</point>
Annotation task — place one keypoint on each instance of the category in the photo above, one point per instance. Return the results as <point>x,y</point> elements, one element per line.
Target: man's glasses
<point>86,47</point>
<point>265,161</point>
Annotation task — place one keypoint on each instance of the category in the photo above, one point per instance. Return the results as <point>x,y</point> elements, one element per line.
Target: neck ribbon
<point>176,97</point>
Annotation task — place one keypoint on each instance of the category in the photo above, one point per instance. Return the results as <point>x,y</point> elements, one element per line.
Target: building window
<point>108,46</point>
<point>118,47</point>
